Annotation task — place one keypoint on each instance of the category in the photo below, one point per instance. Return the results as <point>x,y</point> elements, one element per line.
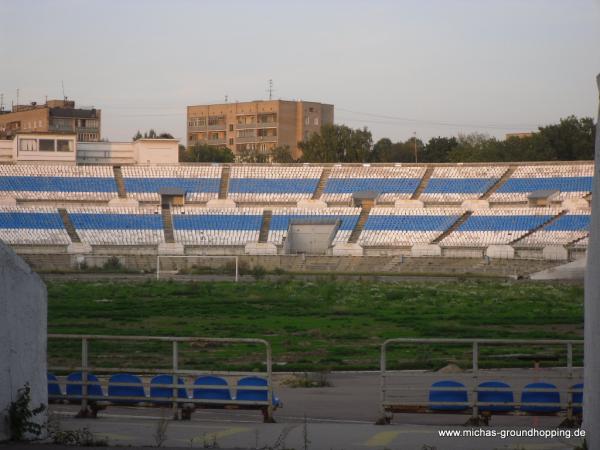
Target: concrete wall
<point>23,334</point>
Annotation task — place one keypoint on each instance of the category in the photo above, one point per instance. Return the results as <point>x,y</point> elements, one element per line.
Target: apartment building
<point>54,116</point>
<point>257,125</point>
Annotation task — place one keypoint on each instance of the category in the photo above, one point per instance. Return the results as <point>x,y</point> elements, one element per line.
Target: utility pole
<point>270,89</point>
<point>415,142</point>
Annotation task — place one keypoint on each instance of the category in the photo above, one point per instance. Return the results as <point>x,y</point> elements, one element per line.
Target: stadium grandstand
<point>516,211</point>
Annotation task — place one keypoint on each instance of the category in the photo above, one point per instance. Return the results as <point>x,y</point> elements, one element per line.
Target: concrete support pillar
<point>591,374</point>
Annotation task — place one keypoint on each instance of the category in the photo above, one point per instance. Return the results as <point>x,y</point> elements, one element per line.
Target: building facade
<point>257,125</point>
<point>54,116</point>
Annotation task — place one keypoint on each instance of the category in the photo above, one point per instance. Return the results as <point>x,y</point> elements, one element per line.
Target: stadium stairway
<point>120,182</point>
<point>362,219</point>
<point>265,226</point>
<point>167,220</point>
<point>69,227</point>
<point>423,184</point>
<point>545,224</point>
<point>322,182</point>
<point>462,219</point>
<point>499,183</point>
<point>224,183</point>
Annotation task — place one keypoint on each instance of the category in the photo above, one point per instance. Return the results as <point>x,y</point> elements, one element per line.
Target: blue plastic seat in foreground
<point>74,386</point>
<point>54,391</point>
<point>443,396</point>
<point>550,396</point>
<point>497,397</point>
<point>577,398</point>
<point>135,389</point>
<point>159,390</point>
<point>255,395</point>
<point>205,393</point>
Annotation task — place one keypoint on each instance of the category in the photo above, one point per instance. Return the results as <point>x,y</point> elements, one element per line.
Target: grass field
<point>312,326</point>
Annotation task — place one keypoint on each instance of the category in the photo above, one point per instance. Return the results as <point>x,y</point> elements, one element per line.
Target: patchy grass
<point>312,326</point>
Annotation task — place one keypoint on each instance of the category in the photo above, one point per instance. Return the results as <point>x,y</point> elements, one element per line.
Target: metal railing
<point>390,403</point>
<point>175,372</point>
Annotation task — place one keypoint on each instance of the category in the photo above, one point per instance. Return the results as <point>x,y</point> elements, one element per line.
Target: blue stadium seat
<point>503,223</point>
<point>273,185</point>
<point>74,386</point>
<point>550,396</point>
<point>410,223</point>
<point>54,390</point>
<point>440,396</point>
<point>135,389</point>
<point>159,390</point>
<point>570,222</point>
<point>255,395</point>
<point>563,184</point>
<point>497,397</point>
<point>577,398</point>
<point>381,185</point>
<point>459,185</point>
<point>207,393</point>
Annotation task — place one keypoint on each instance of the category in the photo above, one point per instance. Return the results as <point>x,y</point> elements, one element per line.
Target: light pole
<point>415,142</point>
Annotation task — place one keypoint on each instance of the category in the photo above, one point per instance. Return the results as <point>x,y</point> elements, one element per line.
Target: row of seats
<point>130,387</point>
<point>273,184</point>
<point>566,229</point>
<point>405,227</point>
<point>458,183</point>
<point>57,182</point>
<point>571,180</point>
<point>497,396</point>
<point>201,183</point>
<point>26,226</point>
<point>497,226</point>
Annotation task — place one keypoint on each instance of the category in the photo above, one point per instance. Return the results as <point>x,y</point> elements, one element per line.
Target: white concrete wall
<point>23,334</point>
<point>105,152</point>
<point>156,151</point>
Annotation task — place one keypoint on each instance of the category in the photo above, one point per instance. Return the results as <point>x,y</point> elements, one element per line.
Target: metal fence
<point>87,399</point>
<point>411,391</point>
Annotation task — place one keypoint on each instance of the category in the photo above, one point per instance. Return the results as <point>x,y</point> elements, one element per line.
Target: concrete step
<point>167,220</point>
<point>322,182</point>
<point>423,184</point>
<point>505,176</point>
<point>265,226</point>
<point>224,183</point>
<point>69,225</point>
<point>364,215</point>
<point>548,222</point>
<point>120,182</point>
<point>462,219</point>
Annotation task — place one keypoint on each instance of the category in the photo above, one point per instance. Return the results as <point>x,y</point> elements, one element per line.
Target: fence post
<point>475,413</point>
<point>84,377</point>
<point>175,379</point>
<point>382,366</point>
<point>569,387</point>
<point>269,417</point>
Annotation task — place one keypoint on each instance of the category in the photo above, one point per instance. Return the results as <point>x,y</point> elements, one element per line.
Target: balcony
<point>245,126</point>
<point>218,127</point>
<point>61,128</point>
<point>197,128</point>
<point>267,138</point>
<point>246,139</point>
<point>216,141</point>
<point>266,125</point>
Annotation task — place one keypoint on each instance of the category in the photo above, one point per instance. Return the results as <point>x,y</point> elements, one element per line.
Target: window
<point>63,145</point>
<point>230,141</point>
<point>307,120</point>
<point>316,121</point>
<point>46,145</point>
<point>230,127</point>
<point>28,145</point>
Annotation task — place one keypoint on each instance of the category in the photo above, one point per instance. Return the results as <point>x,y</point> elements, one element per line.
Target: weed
<point>20,415</point>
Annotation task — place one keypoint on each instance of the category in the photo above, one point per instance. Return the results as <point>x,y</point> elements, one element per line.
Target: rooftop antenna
<point>270,89</point>
<point>226,98</point>
<point>1,101</point>
<point>17,99</point>
<point>63,90</point>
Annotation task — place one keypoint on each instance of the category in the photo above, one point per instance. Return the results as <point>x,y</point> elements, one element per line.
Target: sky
<point>398,67</point>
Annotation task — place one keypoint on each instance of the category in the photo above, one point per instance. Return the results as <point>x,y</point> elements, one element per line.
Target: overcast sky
<point>398,67</point>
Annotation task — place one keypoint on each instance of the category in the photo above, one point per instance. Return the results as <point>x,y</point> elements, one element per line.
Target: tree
<point>571,139</point>
<point>438,149</point>
<point>137,136</point>
<point>201,152</point>
<point>151,134</point>
<point>282,154</point>
<point>337,143</point>
<point>252,156</point>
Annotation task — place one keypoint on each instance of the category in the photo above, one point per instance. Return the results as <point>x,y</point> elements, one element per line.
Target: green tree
<point>137,136</point>
<point>282,154</point>
<point>337,143</point>
<point>201,152</point>
<point>571,139</point>
<point>252,156</point>
<point>438,149</point>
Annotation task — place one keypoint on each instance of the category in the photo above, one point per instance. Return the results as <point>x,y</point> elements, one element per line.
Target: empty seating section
<point>28,226</point>
<point>281,219</point>
<point>202,226</point>
<point>405,227</point>
<point>563,231</point>
<point>459,183</point>
<point>273,184</point>
<point>392,183</point>
<point>497,226</point>
<point>43,182</point>
<point>571,180</point>
<point>200,183</point>
<point>117,226</point>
